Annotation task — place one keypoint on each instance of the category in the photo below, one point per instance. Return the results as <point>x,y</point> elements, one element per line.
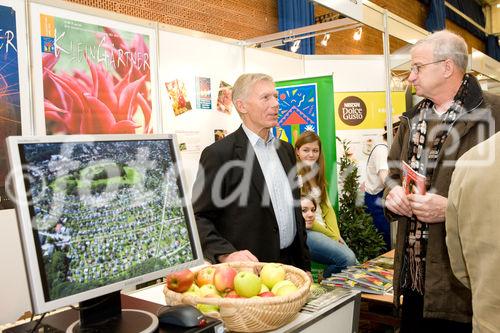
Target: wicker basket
<point>254,314</point>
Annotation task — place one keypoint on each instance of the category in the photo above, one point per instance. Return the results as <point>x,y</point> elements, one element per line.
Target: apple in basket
<point>247,284</point>
<point>232,294</point>
<point>266,294</point>
<point>205,276</point>
<point>286,290</point>
<point>224,278</point>
<point>280,284</point>
<point>272,273</point>
<point>208,289</point>
<point>180,281</point>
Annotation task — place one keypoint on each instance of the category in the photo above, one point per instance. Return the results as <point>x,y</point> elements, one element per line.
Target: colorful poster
<point>203,93</point>
<point>10,100</point>
<point>307,104</point>
<point>224,97</point>
<point>298,110</point>
<point>360,118</point>
<point>178,96</point>
<point>97,78</point>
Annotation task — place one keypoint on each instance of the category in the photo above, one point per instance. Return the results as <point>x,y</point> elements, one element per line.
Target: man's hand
<point>397,202</point>
<point>243,255</point>
<point>428,208</point>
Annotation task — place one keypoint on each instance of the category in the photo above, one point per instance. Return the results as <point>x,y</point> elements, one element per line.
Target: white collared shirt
<point>277,183</point>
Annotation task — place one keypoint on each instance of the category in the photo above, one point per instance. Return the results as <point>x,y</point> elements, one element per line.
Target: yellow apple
<point>286,290</point>
<point>263,289</point>
<point>281,284</point>
<point>272,273</point>
<point>207,289</point>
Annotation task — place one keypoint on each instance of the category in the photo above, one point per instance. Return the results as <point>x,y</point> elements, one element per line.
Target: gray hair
<point>245,82</point>
<point>447,45</point>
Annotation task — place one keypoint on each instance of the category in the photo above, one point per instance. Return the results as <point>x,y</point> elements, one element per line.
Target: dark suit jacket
<point>244,222</point>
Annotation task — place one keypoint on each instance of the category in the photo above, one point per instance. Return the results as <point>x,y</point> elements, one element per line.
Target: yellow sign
<point>365,110</point>
<point>47,26</point>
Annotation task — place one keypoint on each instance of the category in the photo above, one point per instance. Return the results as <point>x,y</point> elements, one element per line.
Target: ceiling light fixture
<point>358,33</point>
<point>295,47</point>
<point>326,37</point>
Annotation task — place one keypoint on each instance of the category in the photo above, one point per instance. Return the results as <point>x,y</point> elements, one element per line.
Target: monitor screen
<point>100,213</point>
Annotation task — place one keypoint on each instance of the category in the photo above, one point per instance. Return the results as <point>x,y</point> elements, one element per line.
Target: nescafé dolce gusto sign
<point>352,110</point>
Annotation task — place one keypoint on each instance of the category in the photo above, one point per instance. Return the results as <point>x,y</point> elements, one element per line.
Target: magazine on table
<point>345,282</point>
<point>413,182</point>
<point>321,295</point>
<point>381,261</point>
<point>361,277</point>
<point>386,275</point>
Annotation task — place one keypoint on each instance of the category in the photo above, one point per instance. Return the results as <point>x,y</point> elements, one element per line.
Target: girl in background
<point>323,235</point>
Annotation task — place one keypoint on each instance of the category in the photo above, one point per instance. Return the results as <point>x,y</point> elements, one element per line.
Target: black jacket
<point>243,223</point>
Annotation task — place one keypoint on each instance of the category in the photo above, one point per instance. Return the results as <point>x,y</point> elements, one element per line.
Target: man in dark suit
<point>245,198</point>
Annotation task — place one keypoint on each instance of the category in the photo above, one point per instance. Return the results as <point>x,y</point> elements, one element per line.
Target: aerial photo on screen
<point>104,212</point>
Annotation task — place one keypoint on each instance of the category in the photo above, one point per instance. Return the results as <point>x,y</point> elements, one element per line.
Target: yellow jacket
<point>331,227</point>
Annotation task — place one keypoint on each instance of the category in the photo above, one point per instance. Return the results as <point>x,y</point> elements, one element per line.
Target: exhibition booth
<point>145,78</point>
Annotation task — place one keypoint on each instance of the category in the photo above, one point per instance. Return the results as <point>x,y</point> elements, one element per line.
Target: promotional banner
<point>360,118</point>
<point>14,93</point>
<point>307,105</point>
<point>96,78</point>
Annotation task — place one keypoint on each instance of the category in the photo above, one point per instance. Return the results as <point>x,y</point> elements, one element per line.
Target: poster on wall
<point>179,99</point>
<point>203,93</point>
<point>92,78</point>
<point>360,118</point>
<point>14,91</point>
<point>224,97</point>
<point>298,111</point>
<point>307,105</point>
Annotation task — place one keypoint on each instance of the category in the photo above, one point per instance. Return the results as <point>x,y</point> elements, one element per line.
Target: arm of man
<point>215,247</point>
<point>396,201</point>
<point>428,208</point>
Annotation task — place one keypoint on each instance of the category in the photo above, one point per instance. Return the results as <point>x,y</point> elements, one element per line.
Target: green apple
<point>280,284</point>
<point>207,308</point>
<point>286,290</point>
<point>194,288</point>
<point>272,273</point>
<point>207,289</point>
<point>247,284</point>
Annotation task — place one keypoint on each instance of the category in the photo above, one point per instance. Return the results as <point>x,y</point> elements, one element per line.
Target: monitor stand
<point>105,314</point>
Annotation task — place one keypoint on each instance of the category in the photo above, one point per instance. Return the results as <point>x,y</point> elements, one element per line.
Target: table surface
<point>155,294</point>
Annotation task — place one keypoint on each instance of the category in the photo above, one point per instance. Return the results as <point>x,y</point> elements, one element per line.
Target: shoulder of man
<point>492,101</point>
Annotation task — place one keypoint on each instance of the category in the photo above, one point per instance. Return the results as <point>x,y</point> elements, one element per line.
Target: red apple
<point>266,294</point>
<point>224,278</point>
<point>205,276</point>
<point>180,281</point>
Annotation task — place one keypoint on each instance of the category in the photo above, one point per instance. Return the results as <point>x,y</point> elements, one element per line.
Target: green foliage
<point>356,225</point>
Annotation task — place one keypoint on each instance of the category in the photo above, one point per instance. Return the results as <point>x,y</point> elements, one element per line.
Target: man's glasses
<point>415,69</point>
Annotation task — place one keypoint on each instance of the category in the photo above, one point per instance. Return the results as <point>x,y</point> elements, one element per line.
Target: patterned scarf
<point>420,161</point>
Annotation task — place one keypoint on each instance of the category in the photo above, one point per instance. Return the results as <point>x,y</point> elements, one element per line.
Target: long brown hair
<point>302,170</point>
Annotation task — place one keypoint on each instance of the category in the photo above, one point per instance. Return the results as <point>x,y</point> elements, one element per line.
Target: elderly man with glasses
<point>454,116</point>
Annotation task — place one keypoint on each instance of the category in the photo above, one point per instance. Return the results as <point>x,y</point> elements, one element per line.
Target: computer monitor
<point>99,213</point>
